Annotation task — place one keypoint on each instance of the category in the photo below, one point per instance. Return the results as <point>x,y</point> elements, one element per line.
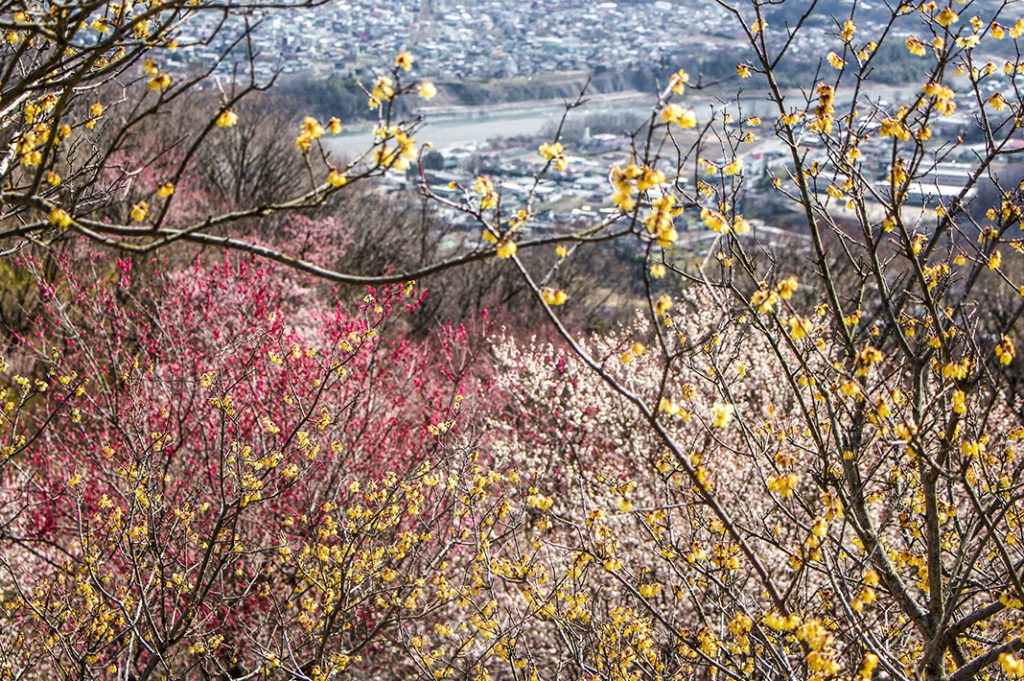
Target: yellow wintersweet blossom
<point>710,167</point>
<point>488,196</point>
<point>160,81</point>
<point>383,90</point>
<point>404,60</point>
<point>483,185</point>
<point>336,179</point>
<point>787,287</point>
<point>1012,666</point>
<point>714,220</point>
<point>721,414</point>
<point>959,402</point>
<point>227,119</point>
<point>551,151</point>
<point>946,17</point>
<point>894,127</point>
<point>60,218</point>
<point>792,118</point>
<point>733,167</point>
<point>836,61</point>
<point>312,127</point>
<point>743,70</point>
<point>764,300</point>
<point>622,179</point>
<point>1005,350</point>
<point>848,30</point>
<point>783,484</point>
<point>165,190</point>
<point>916,46</point>
<point>678,81</point>
<point>553,296</point>
<point>427,90</point>
<point>997,101</point>
<point>684,118</point>
<point>334,126</point>
<point>506,249</point>
<point>651,178</point>
<point>659,221</point>
<point>140,211</point>
<point>799,328</point>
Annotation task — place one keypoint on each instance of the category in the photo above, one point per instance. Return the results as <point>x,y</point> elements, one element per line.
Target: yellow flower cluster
<point>555,152</point>
<point>427,90</point>
<point>997,101</point>
<point>140,211</point>
<point>946,17</point>
<point>866,358</point>
<point>310,130</point>
<point>659,220</point>
<point>867,670</point>
<point>484,186</point>
<point>383,91</point>
<point>60,218</point>
<point>799,328</point>
<point>916,47</point>
<point>399,156</point>
<point>1012,665</point>
<point>779,623</point>
<point>718,222</point>
<point>943,95</point>
<point>678,81</point>
<point>721,414</point>
<point>783,484</point>
<point>1005,350</point>
<point>684,118</point>
<point>404,60</point>
<point>554,296</point>
<point>227,119</point>
<point>825,110</point>
<point>630,180</point>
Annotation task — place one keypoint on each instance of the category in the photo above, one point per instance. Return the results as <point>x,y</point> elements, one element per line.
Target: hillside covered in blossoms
<point>323,356</point>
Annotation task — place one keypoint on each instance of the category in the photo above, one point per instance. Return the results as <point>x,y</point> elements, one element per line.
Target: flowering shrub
<point>187,469</point>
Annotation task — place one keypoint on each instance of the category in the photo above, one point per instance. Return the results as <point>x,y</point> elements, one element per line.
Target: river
<point>467,126</point>
<point>446,131</point>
